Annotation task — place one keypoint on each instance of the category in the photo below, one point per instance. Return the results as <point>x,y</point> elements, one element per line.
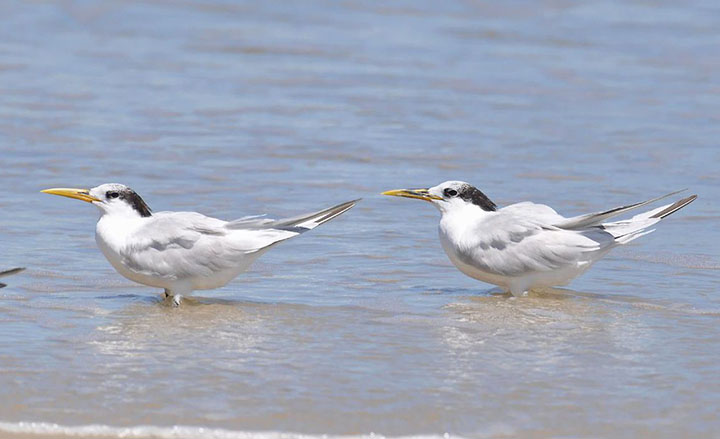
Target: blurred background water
<point>237,108</point>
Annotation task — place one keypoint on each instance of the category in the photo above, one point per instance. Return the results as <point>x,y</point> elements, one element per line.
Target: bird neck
<point>458,218</point>
<point>115,227</point>
<point>120,210</point>
<point>462,210</point>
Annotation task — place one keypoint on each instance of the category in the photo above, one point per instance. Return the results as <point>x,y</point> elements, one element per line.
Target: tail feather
<point>594,219</point>
<point>299,224</point>
<point>8,273</point>
<point>11,271</point>
<point>624,239</point>
<point>675,207</point>
<point>637,226</point>
<point>312,220</point>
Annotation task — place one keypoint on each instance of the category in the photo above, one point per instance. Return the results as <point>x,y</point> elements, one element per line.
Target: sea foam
<point>46,429</point>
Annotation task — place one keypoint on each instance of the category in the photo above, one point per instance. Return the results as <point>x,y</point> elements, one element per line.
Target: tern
<point>8,273</point>
<point>528,246</point>
<point>183,251</point>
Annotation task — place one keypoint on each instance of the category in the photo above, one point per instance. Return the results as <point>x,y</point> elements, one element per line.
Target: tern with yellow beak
<point>528,246</point>
<point>183,251</point>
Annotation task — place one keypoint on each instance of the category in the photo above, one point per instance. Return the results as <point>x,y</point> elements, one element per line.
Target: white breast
<point>453,226</point>
<point>111,235</point>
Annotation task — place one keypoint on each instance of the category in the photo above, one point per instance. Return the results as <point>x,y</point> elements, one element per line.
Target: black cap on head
<point>122,192</point>
<point>136,202</point>
<point>473,195</point>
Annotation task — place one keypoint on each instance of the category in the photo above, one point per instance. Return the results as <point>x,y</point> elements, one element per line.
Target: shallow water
<point>362,325</point>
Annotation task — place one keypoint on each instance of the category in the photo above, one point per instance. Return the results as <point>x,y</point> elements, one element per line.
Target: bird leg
<point>175,298</point>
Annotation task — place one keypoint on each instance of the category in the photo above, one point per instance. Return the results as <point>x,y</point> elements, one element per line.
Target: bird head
<point>110,198</point>
<point>448,196</point>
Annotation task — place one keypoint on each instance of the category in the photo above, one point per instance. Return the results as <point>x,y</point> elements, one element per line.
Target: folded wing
<point>512,245</point>
<point>177,245</point>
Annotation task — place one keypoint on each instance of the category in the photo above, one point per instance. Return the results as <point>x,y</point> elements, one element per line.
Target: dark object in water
<point>8,273</point>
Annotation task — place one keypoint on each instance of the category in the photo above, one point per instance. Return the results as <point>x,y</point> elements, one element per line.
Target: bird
<point>8,273</point>
<point>184,251</point>
<point>527,246</point>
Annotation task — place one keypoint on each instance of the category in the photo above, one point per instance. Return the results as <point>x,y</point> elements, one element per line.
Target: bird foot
<point>174,299</point>
<point>516,294</point>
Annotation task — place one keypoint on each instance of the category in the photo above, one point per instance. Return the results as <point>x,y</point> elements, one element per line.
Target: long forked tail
<point>593,219</point>
<point>672,208</point>
<point>299,224</point>
<point>637,226</point>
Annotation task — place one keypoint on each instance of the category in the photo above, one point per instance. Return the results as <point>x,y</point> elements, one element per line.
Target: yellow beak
<point>420,194</point>
<point>78,194</point>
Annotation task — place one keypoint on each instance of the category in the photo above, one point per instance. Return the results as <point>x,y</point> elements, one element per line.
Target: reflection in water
<point>551,318</point>
<point>222,326</point>
<point>547,349</point>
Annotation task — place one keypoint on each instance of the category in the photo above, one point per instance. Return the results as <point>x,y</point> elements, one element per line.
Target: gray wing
<point>539,212</point>
<point>512,245</point>
<point>176,245</point>
<point>187,244</point>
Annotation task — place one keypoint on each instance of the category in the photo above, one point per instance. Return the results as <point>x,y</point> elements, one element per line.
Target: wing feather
<point>512,245</point>
<point>177,245</point>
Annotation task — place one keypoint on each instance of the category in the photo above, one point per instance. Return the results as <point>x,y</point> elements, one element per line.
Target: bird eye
<point>450,192</point>
<point>112,194</point>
